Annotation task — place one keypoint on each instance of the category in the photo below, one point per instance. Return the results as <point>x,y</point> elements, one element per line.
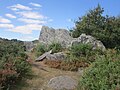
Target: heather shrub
<point>83,52</point>
<point>65,65</point>
<point>55,47</point>
<point>80,49</point>
<point>40,49</point>
<point>103,74</point>
<point>13,64</point>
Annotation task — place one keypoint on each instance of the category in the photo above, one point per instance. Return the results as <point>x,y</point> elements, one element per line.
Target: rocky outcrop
<point>62,82</point>
<point>62,36</point>
<point>50,35</point>
<point>87,39</point>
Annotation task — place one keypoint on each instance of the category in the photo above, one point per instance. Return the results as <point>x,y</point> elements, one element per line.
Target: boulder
<point>50,35</point>
<point>87,39</point>
<point>56,56</point>
<point>43,56</point>
<point>62,82</point>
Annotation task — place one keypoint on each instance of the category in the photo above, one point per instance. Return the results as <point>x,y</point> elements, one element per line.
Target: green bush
<point>83,52</point>
<point>55,47</point>
<point>40,49</point>
<point>80,49</point>
<point>13,64</point>
<point>103,74</point>
<point>22,67</point>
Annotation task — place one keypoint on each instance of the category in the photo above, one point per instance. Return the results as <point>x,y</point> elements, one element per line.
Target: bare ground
<point>42,75</point>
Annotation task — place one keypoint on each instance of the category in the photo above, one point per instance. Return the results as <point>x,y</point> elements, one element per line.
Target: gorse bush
<point>80,49</point>
<point>55,47</point>
<point>13,65</point>
<point>40,49</point>
<point>83,52</point>
<point>103,74</point>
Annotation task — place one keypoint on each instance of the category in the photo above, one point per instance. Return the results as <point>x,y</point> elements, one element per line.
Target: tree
<point>104,28</point>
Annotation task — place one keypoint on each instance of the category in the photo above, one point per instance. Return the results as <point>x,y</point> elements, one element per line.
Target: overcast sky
<point>23,19</point>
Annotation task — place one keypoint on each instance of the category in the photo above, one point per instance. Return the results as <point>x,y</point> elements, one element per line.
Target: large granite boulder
<point>87,39</point>
<point>62,83</point>
<point>50,35</point>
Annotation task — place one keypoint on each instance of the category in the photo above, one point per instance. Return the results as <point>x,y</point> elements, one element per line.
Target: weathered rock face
<point>62,36</point>
<point>62,82</point>
<point>87,39</point>
<point>50,35</point>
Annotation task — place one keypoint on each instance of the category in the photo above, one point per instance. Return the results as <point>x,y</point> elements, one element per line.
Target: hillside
<point>86,57</point>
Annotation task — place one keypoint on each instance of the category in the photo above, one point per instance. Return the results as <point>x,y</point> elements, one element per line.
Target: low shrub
<point>13,64</point>
<point>81,49</point>
<point>103,74</point>
<point>55,47</point>
<point>53,63</point>
<point>83,52</point>
<point>40,49</point>
<point>13,70</point>
<point>64,65</point>
<point>80,55</point>
<point>73,66</point>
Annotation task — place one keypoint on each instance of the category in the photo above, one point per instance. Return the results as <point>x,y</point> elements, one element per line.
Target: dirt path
<point>42,74</point>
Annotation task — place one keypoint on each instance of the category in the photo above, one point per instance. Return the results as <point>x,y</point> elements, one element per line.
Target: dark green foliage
<point>40,49</point>
<point>104,28</point>
<point>83,52</point>
<point>103,74</point>
<point>81,49</point>
<point>13,65</point>
<point>55,47</point>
